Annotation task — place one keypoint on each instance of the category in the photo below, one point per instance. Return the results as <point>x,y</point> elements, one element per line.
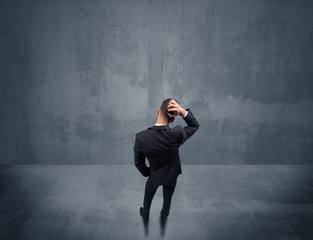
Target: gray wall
<point>79,78</point>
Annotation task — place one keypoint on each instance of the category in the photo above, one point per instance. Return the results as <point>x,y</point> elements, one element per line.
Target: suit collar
<point>160,127</point>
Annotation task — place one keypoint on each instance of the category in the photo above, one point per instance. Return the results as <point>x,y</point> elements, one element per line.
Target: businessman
<point>160,145</point>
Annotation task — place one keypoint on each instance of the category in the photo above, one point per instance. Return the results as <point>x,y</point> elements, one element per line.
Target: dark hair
<point>164,111</point>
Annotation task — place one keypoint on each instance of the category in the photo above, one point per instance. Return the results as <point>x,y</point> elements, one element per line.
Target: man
<point>160,144</point>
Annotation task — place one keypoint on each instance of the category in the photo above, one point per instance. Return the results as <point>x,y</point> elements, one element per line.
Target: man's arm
<point>139,159</point>
<point>187,115</point>
<point>192,127</point>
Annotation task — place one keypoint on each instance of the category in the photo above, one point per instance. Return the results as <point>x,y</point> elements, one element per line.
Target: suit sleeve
<point>139,159</point>
<point>192,126</point>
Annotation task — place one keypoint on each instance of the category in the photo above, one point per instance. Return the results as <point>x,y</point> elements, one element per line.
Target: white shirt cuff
<point>185,114</point>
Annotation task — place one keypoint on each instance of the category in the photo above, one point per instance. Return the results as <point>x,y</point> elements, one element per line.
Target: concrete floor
<point>102,202</point>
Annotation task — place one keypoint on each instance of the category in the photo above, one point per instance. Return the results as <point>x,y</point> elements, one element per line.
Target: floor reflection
<point>162,227</point>
<point>146,227</point>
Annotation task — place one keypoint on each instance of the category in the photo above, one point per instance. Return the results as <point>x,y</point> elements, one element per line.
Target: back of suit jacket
<point>160,145</point>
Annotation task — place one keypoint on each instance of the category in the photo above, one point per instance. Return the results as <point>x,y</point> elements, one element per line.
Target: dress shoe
<point>141,214</point>
<point>163,217</point>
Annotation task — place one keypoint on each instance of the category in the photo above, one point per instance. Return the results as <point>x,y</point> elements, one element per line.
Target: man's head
<point>164,112</point>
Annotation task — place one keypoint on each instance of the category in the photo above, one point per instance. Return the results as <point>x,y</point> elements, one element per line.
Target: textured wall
<point>79,78</point>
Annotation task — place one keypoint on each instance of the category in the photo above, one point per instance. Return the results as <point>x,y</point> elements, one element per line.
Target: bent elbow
<point>197,125</point>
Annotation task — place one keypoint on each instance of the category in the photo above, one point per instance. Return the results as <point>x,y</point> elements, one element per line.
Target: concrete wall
<point>80,78</point>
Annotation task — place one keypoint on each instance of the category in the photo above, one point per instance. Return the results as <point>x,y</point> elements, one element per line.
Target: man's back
<point>160,145</point>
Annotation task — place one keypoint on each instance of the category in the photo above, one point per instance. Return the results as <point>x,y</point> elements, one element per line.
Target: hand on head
<point>175,109</point>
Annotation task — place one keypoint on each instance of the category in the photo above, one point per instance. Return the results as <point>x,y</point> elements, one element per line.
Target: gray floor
<point>102,202</point>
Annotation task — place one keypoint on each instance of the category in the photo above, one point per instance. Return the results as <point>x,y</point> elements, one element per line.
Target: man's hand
<point>174,107</point>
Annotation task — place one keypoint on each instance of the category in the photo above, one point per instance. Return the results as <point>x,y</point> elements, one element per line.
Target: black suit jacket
<point>160,145</point>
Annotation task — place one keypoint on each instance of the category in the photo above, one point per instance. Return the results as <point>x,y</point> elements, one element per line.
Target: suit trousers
<point>150,190</point>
